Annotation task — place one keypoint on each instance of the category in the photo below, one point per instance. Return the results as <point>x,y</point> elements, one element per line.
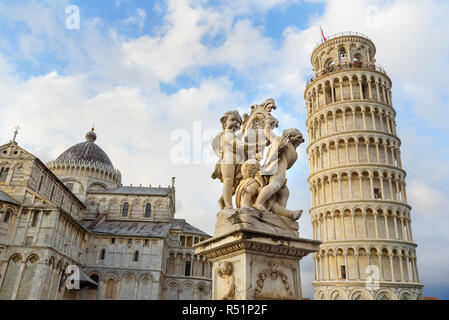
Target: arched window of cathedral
<point>102,254</point>
<point>201,291</point>
<point>62,279</point>
<point>35,218</point>
<point>6,216</point>
<point>183,241</point>
<point>40,183</point>
<point>148,210</point>
<point>342,53</point>
<point>70,186</point>
<point>95,277</point>
<point>125,209</point>
<point>52,193</point>
<point>187,269</point>
<point>4,174</point>
<point>136,256</point>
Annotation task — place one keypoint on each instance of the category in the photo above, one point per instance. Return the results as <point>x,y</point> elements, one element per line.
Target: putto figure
<point>249,187</point>
<point>281,157</point>
<point>231,151</point>
<point>262,189</point>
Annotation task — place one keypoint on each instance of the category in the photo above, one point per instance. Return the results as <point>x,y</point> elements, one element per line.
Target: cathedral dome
<point>85,166</point>
<point>88,152</point>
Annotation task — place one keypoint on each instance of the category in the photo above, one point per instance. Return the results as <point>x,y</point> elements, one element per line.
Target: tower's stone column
<point>359,204</point>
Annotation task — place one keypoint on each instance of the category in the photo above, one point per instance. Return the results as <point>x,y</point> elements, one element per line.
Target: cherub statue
<point>280,157</point>
<point>249,187</point>
<point>231,151</point>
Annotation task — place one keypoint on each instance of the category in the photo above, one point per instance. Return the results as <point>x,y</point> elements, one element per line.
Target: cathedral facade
<point>73,213</point>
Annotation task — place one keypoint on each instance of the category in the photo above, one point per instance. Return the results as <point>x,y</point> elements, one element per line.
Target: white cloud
<point>138,19</point>
<point>427,200</point>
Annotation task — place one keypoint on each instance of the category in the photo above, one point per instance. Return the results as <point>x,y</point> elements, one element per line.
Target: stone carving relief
<point>226,273</point>
<point>274,274</point>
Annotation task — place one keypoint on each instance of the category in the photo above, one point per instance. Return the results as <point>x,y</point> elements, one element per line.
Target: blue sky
<point>142,69</point>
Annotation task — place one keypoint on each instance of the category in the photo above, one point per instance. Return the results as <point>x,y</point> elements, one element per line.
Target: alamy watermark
<point>72,21</point>
<point>72,281</point>
<point>373,280</point>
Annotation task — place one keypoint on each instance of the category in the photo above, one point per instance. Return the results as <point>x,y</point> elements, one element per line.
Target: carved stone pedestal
<point>255,259</point>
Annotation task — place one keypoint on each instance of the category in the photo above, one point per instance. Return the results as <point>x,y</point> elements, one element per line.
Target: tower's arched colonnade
<point>357,183</point>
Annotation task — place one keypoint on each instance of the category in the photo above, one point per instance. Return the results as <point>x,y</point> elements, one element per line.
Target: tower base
<point>253,258</point>
<point>364,290</point>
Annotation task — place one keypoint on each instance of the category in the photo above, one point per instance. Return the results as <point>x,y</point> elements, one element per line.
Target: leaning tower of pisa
<point>359,203</point>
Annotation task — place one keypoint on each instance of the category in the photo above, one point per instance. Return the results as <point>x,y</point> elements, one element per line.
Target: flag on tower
<point>322,34</point>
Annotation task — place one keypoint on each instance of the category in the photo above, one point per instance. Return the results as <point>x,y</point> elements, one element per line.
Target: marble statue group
<point>256,178</point>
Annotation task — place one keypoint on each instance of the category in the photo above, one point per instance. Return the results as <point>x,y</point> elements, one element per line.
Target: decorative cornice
<point>245,245</point>
<point>83,164</point>
<point>257,242</point>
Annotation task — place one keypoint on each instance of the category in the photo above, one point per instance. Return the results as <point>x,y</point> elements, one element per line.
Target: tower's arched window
<point>125,209</point>
<point>4,174</point>
<point>148,210</point>
<point>102,254</point>
<point>330,66</point>
<point>317,63</point>
<point>357,59</point>
<point>136,256</point>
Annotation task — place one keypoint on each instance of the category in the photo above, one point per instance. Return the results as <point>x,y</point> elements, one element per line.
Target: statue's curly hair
<point>227,114</point>
<point>292,134</point>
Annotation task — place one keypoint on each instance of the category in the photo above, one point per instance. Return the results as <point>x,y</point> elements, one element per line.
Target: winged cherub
<point>231,151</point>
<point>280,157</point>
